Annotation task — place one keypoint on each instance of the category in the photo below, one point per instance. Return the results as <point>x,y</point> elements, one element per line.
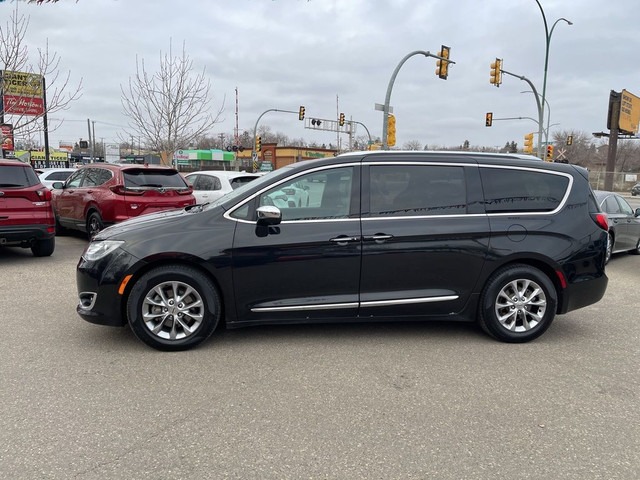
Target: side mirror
<point>637,212</point>
<point>269,215</point>
<point>57,185</point>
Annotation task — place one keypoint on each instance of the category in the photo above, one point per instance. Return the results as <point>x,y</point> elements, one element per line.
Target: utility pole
<point>614,125</point>
<point>90,141</point>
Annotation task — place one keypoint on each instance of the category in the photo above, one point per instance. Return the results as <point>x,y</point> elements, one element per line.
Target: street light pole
<point>548,34</point>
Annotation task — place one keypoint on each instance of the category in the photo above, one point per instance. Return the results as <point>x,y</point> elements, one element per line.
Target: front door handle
<point>344,240</point>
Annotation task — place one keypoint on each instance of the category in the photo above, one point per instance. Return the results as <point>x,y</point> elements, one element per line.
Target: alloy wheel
<point>520,305</point>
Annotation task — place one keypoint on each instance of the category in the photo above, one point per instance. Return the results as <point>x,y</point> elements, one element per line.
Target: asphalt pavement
<point>382,401</point>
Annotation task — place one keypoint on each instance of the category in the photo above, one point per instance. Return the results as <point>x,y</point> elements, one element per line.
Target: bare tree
<point>168,109</point>
<point>14,57</point>
<point>412,145</point>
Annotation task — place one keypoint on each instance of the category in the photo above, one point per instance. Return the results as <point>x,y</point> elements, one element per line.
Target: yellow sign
<point>23,84</point>
<point>629,112</point>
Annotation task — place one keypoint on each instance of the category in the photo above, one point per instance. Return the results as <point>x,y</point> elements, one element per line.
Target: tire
<point>636,251</point>
<point>160,322</point>
<point>610,242</point>
<point>517,319</point>
<point>44,248</point>
<point>94,224</point>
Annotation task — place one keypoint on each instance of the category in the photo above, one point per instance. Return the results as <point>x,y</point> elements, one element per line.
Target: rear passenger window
<point>417,190</point>
<point>511,190</point>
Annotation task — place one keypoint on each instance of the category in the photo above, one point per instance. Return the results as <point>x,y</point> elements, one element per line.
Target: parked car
<point>26,215</point>
<point>50,175</point>
<point>635,190</point>
<point>101,194</point>
<point>388,236</point>
<point>624,224</point>
<point>210,185</point>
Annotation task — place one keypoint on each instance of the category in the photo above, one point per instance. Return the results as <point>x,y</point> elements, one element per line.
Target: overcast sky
<point>286,53</point>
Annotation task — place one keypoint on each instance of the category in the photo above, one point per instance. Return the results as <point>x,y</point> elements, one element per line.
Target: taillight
<point>601,220</point>
<point>186,191</point>
<point>44,194</point>
<point>122,190</point>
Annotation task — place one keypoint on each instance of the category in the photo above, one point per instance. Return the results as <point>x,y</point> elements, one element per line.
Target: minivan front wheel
<point>517,304</point>
<point>173,308</point>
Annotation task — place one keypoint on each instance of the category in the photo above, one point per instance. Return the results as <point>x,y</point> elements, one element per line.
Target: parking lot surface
<point>406,400</point>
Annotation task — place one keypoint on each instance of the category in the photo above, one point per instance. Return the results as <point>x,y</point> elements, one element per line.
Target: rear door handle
<point>379,237</point>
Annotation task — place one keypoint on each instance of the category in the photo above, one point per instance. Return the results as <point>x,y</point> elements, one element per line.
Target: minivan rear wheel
<point>517,304</point>
<point>173,308</point>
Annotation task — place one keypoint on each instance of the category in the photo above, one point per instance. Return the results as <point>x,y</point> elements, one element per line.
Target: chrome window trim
<point>371,303</point>
<point>560,206</point>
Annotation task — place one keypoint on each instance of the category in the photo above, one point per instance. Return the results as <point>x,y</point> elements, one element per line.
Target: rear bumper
<point>25,234</point>
<point>584,293</point>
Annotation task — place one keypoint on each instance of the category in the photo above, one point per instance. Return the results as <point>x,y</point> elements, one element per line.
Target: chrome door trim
<point>373,303</point>
<point>408,301</point>
<point>296,308</point>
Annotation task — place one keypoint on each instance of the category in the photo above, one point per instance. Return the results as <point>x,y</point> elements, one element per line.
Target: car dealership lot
<point>323,401</point>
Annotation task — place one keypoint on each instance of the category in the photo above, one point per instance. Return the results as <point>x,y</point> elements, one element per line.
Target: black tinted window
<point>239,181</point>
<point>153,178</point>
<point>417,190</point>
<point>58,176</point>
<point>510,190</point>
<point>17,176</point>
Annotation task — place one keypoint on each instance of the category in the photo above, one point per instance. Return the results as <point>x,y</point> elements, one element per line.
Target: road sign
<point>380,107</point>
<point>561,154</point>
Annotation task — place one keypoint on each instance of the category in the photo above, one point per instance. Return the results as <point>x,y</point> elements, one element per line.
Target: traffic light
<point>528,143</point>
<point>549,153</point>
<point>496,77</point>
<point>301,113</point>
<point>341,122</point>
<point>488,119</point>
<point>391,130</point>
<point>258,144</point>
<point>570,140</point>
<point>442,69</point>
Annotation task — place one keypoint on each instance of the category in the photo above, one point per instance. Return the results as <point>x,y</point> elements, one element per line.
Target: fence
<point>622,181</point>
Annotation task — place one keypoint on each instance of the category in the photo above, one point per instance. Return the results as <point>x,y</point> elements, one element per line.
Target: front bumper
<point>98,283</point>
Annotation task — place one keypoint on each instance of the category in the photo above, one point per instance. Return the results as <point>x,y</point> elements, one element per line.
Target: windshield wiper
<point>10,184</point>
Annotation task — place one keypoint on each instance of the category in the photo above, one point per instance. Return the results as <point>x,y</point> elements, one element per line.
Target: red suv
<point>26,216</point>
<point>101,194</point>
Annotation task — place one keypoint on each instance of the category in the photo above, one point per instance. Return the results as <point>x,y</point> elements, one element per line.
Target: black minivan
<point>386,236</point>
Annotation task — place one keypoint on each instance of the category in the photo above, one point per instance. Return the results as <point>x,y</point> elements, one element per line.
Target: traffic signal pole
<point>255,130</point>
<point>539,106</point>
<point>387,99</point>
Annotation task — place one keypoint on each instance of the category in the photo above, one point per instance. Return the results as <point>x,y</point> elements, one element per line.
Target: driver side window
<point>325,194</point>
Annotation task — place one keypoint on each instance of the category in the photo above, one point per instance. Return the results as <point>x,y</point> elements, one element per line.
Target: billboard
<point>629,113</point>
<point>22,93</point>
<point>6,137</point>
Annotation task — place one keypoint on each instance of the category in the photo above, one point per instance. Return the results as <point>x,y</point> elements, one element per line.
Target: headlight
<point>97,250</point>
